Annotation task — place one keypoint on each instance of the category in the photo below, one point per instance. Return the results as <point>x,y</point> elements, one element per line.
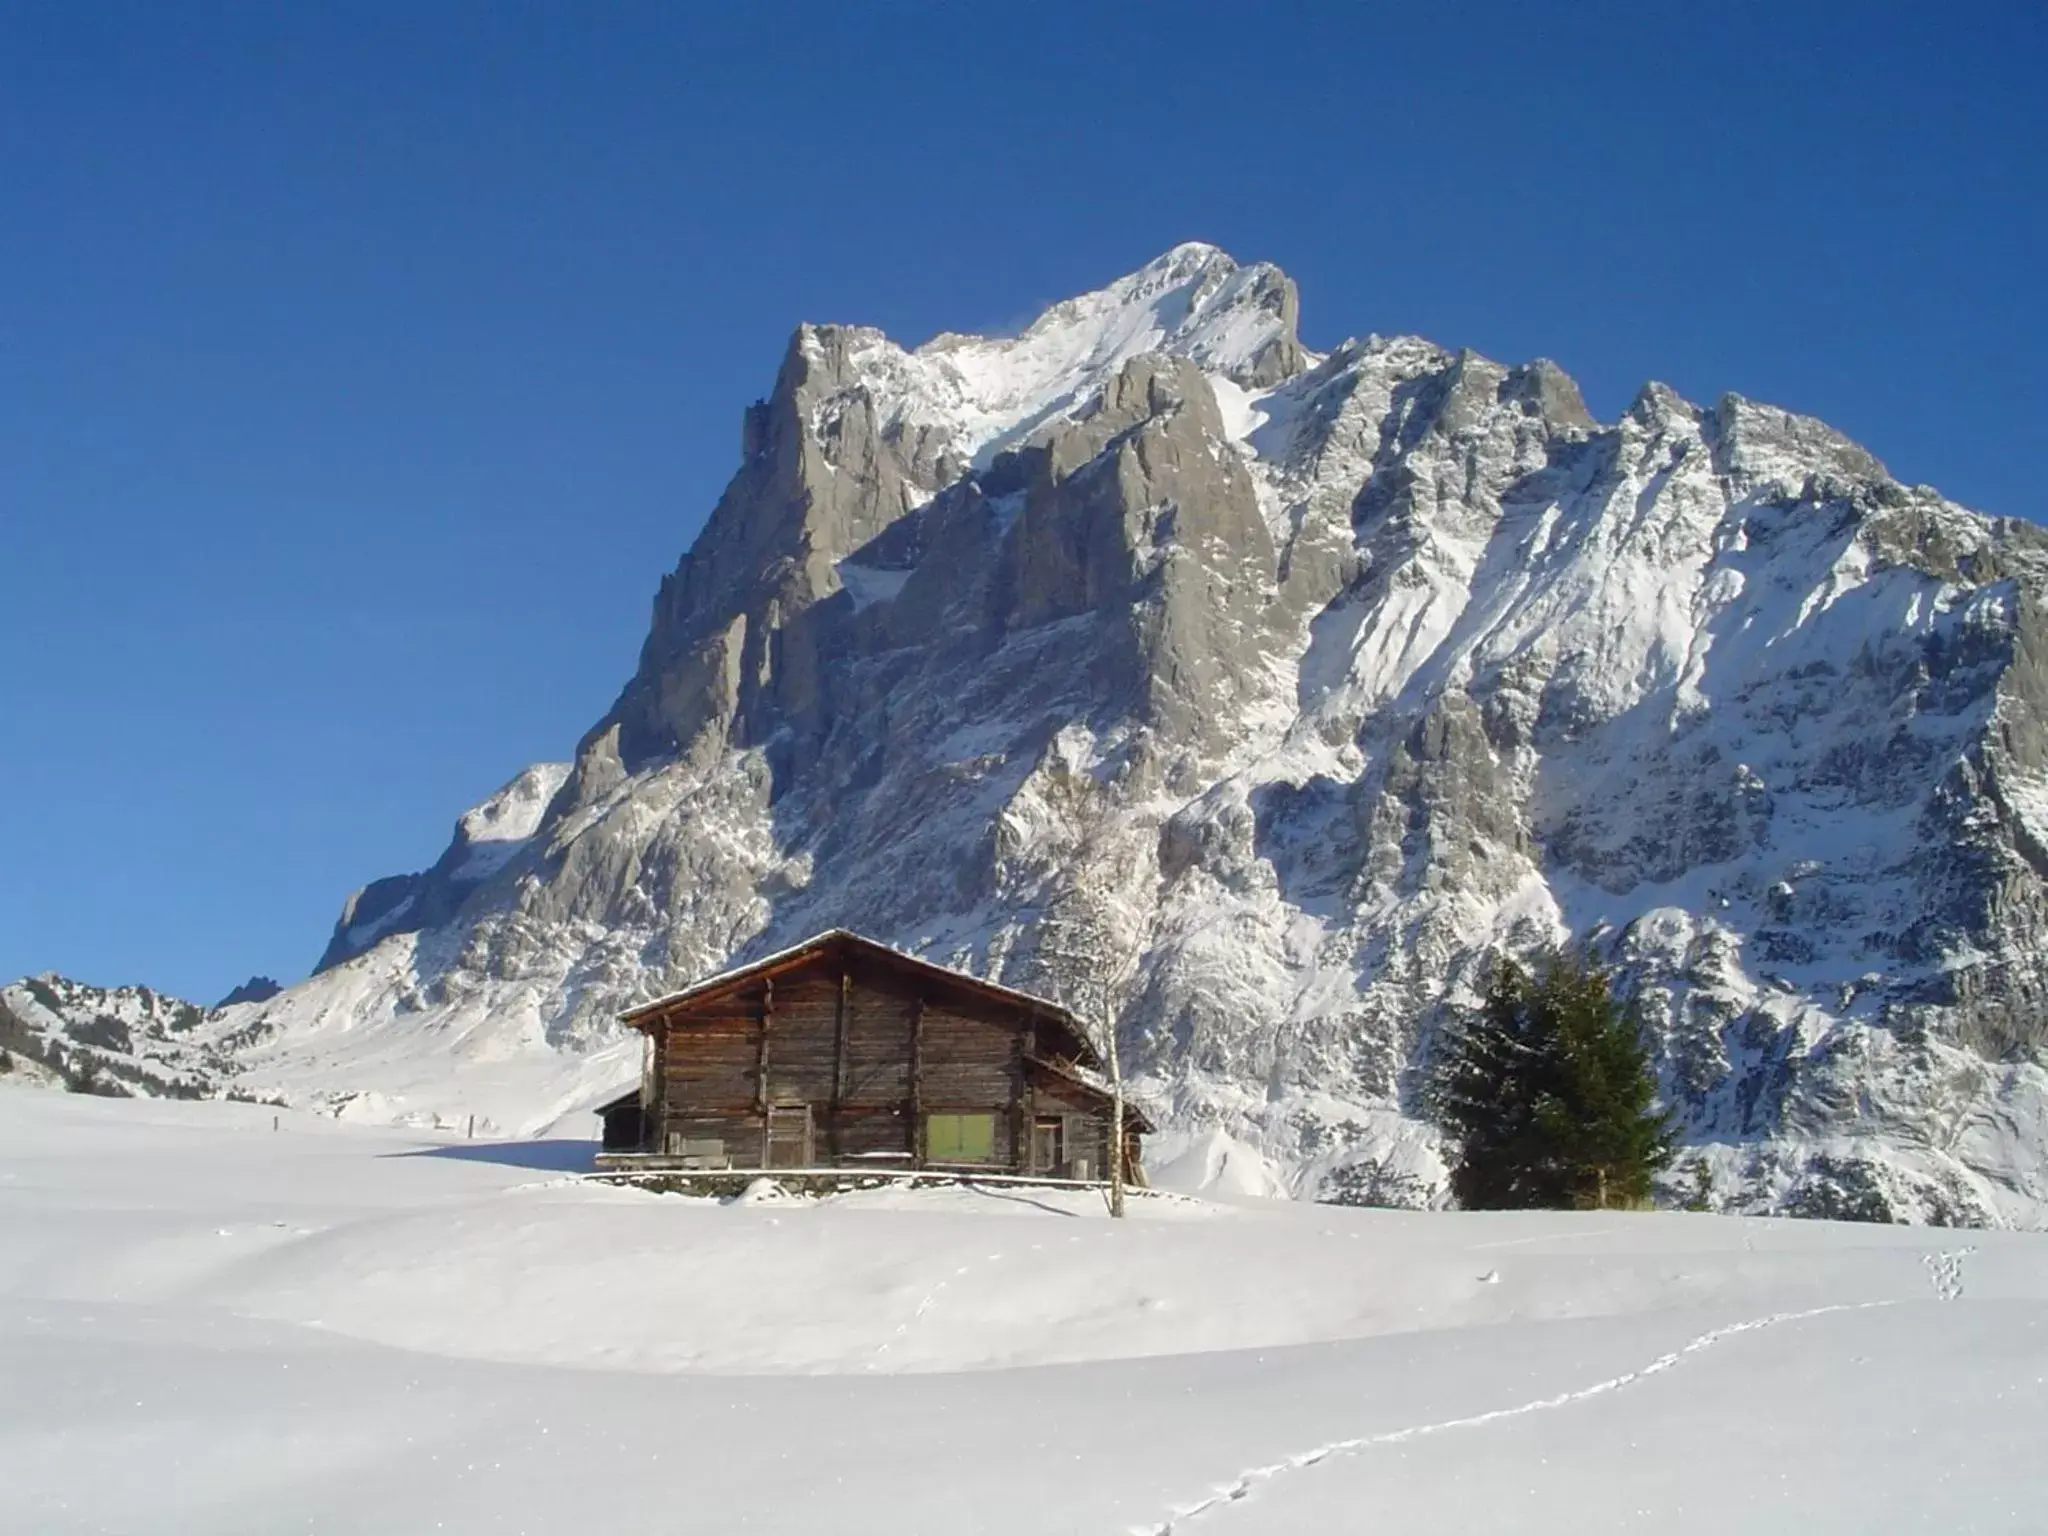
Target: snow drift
<point>213,1325</point>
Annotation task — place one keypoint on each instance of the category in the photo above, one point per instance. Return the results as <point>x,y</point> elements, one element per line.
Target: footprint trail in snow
<point>1248,1481</point>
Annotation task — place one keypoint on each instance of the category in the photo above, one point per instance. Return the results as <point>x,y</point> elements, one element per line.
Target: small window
<point>960,1138</point>
<point>697,1151</point>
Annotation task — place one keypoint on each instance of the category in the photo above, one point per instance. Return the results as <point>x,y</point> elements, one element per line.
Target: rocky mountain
<point>110,1040</point>
<point>1249,698</point>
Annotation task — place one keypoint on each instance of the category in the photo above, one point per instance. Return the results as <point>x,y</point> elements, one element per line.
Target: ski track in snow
<point>1250,1480</point>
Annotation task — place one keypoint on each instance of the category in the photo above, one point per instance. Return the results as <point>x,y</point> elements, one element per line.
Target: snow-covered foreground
<point>210,1325</point>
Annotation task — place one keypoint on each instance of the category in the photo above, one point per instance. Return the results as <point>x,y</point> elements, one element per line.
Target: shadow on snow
<point>559,1155</point>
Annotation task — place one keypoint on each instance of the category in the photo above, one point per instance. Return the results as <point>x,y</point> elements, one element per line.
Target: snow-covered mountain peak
<point>509,815</point>
<point>985,393</point>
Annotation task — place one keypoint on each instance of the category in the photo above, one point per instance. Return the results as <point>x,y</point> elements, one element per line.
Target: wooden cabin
<point>844,1053</point>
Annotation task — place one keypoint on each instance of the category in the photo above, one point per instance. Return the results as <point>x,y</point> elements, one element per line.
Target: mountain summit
<point>1247,699</point>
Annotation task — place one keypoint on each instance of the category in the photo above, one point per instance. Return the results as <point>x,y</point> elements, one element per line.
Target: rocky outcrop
<point>1249,699</point>
<point>257,989</point>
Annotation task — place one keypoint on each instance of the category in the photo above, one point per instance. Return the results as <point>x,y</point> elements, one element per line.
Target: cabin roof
<point>631,1097</point>
<point>1075,1043</point>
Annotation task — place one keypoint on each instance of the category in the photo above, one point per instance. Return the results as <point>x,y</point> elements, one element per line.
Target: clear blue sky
<point>362,368</point>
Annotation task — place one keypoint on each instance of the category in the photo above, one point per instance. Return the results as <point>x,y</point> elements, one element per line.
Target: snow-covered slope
<point>1249,698</point>
<point>223,1318</point>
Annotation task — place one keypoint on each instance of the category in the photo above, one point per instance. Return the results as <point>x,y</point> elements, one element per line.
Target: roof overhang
<point>1135,1119</point>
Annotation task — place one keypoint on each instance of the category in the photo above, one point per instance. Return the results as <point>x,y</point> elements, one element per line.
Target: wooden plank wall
<point>846,1051</point>
<point>710,1064</point>
<point>972,1067</point>
<point>1087,1123</point>
<point>707,1078</point>
<point>874,1107</point>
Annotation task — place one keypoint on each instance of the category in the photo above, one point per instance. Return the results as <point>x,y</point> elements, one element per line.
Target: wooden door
<point>789,1136</point>
<point>1048,1144</point>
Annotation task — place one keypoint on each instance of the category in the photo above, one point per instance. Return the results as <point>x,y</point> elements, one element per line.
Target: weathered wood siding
<point>874,1111</point>
<point>800,1041</point>
<point>866,1053</point>
<point>738,1138</point>
<point>1085,1121</point>
<point>974,1066</point>
<point>709,1064</point>
<point>878,1036</point>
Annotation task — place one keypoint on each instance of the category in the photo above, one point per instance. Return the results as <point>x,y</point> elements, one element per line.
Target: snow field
<point>208,1325</point>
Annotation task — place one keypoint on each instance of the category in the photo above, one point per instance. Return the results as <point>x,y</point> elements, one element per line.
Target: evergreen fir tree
<point>1549,1095</point>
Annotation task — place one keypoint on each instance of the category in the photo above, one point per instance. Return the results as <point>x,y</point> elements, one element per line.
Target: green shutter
<point>960,1138</point>
<point>977,1138</point>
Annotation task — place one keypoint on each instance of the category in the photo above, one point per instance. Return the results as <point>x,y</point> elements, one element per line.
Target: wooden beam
<point>654,1092</point>
<point>1116,1125</point>
<point>1025,1157</point>
<point>917,1147</point>
<point>761,1067</point>
<point>838,1062</point>
<point>1020,1128</point>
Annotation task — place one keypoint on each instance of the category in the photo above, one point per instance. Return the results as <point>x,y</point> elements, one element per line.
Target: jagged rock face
<point>1250,699</point>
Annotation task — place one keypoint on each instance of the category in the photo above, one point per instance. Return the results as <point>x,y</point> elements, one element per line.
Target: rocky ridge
<point>118,1041</point>
<point>1249,698</point>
